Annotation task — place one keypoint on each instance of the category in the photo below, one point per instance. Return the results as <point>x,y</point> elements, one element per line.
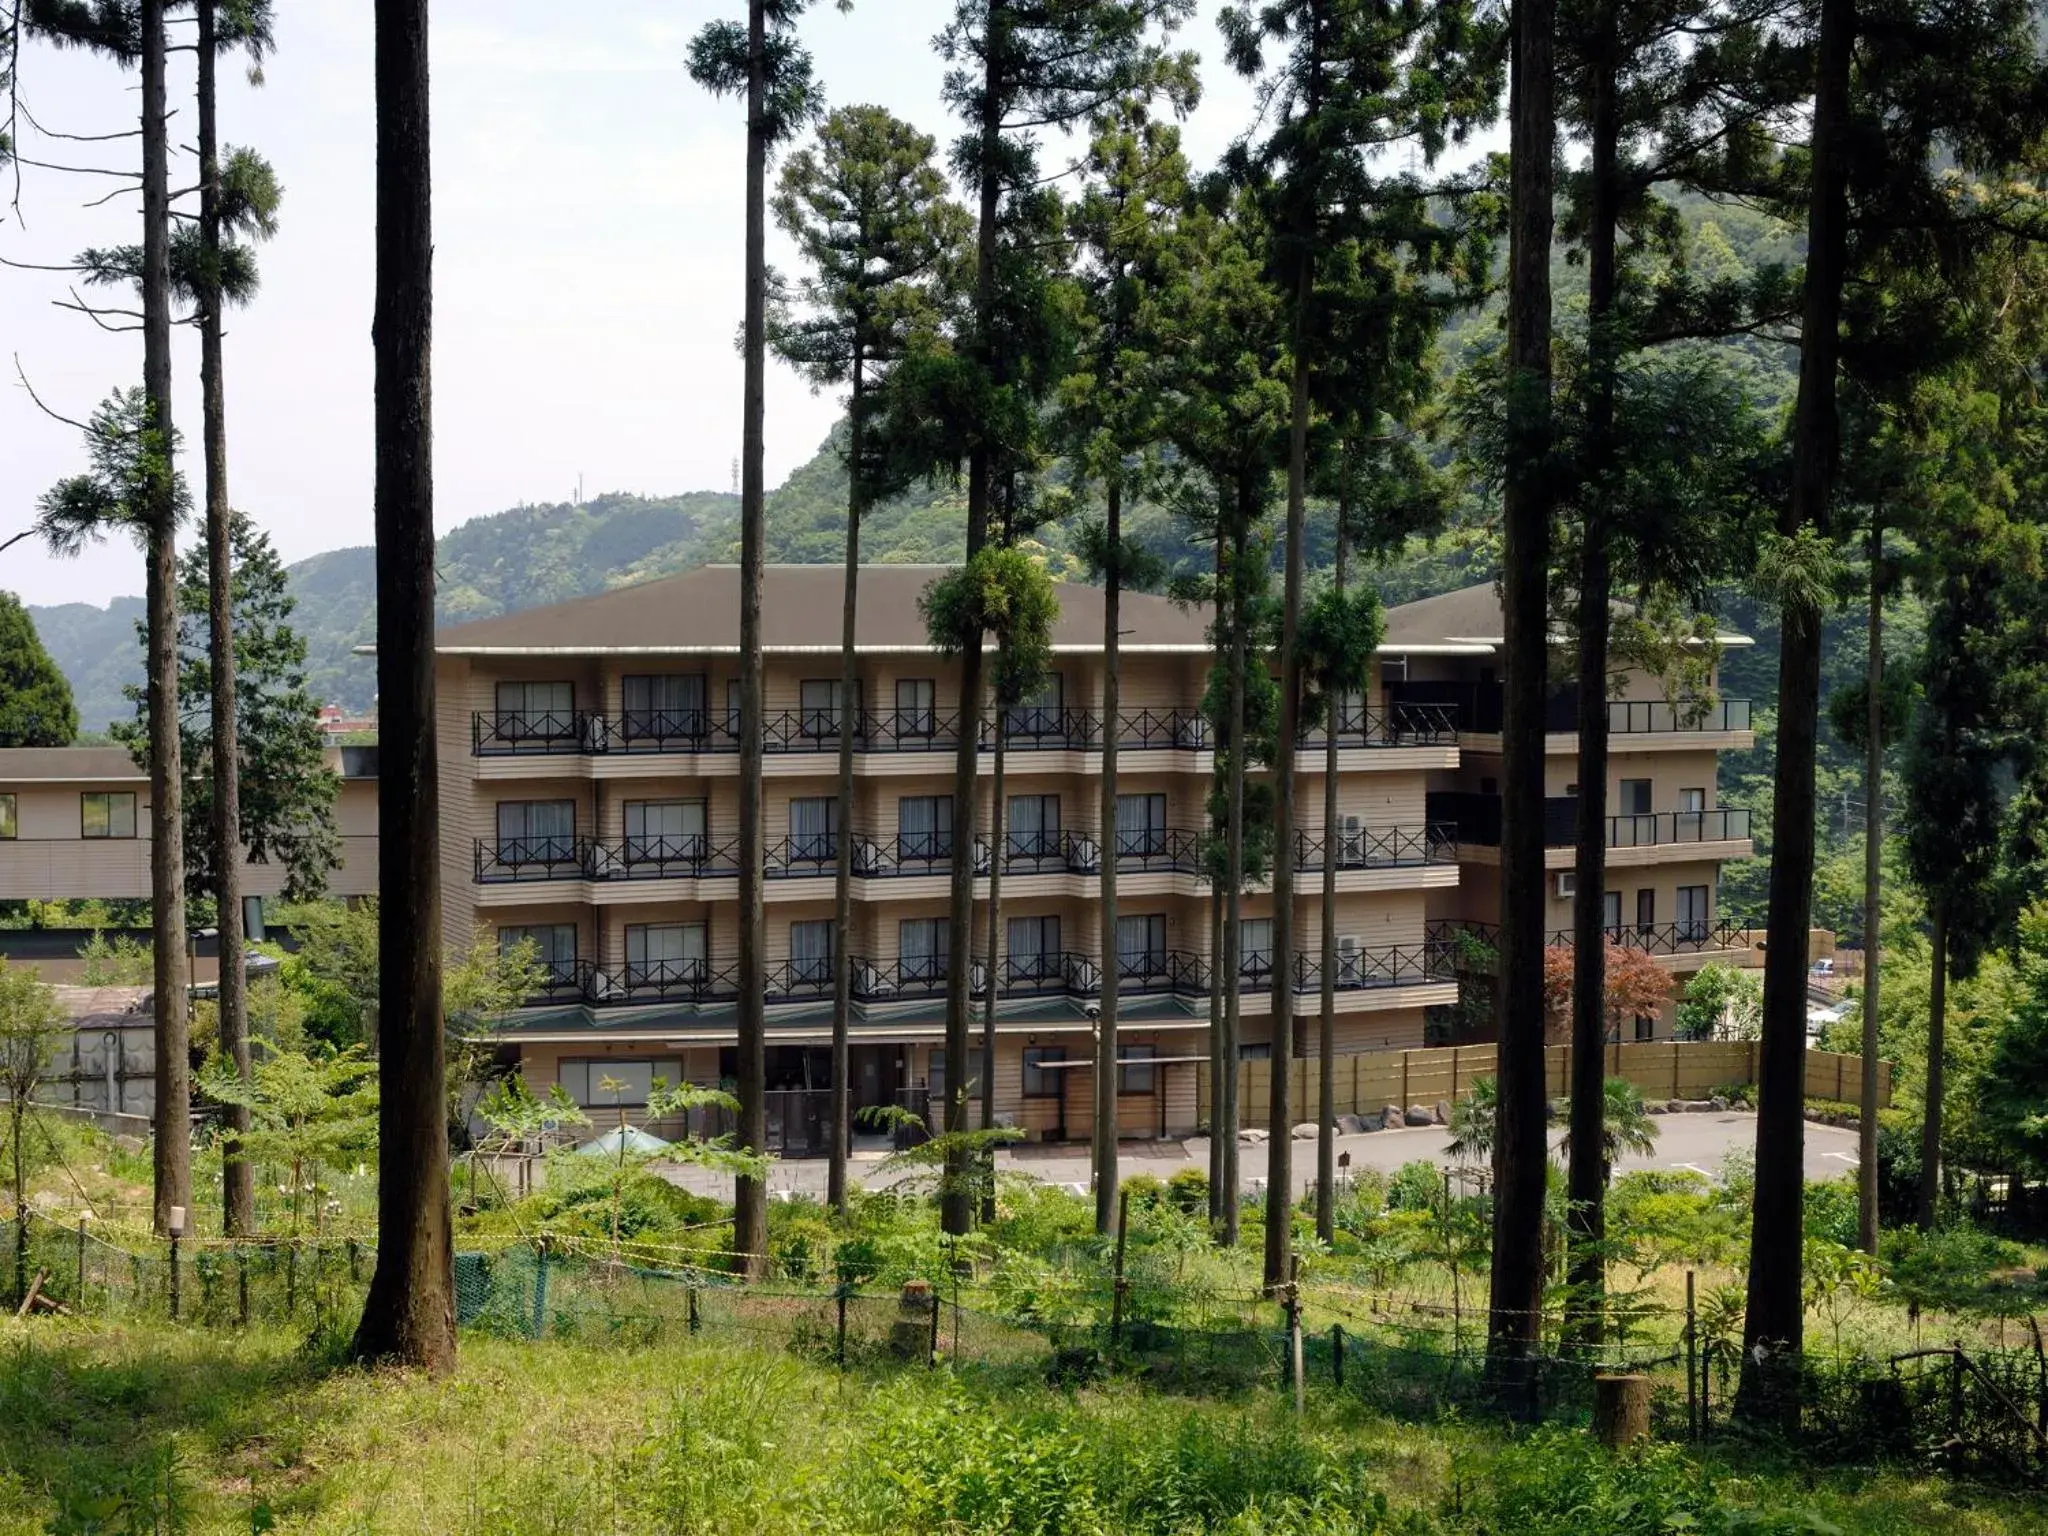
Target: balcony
<point>1027,728</point>
<point>1067,973</point>
<point>1683,938</point>
<point>1151,850</point>
<point>1476,819</point>
<point>1475,708</point>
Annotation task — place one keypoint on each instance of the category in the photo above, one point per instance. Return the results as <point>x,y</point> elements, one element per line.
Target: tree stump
<point>1621,1409</point>
<point>910,1333</point>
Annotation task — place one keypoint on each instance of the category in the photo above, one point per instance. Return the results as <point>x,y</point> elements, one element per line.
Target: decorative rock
<point>1351,1125</point>
<point>1656,1107</point>
<point>1305,1131</point>
<point>1719,1103</point>
<point>1674,1106</point>
<point>1417,1115</point>
<point>1252,1134</point>
<point>1370,1122</point>
<point>1390,1117</point>
<point>1443,1112</point>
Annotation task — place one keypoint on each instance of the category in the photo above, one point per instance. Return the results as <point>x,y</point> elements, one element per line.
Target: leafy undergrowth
<point>132,1429</point>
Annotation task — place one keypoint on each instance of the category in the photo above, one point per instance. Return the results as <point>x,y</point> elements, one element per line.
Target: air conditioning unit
<point>1084,857</point>
<point>981,858</point>
<point>1567,883</point>
<point>1351,848</point>
<point>1194,732</point>
<point>1083,975</point>
<point>870,984</point>
<point>977,979</point>
<point>602,989</point>
<point>867,857</point>
<point>604,863</point>
<point>1350,956</point>
<point>597,733</point>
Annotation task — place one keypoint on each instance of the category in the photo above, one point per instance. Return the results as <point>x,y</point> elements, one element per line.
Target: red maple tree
<point>1636,984</point>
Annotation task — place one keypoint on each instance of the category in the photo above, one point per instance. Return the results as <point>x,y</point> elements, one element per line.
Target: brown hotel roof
<point>699,611</point>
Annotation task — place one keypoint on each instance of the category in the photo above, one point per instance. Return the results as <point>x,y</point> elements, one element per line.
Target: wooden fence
<point>1368,1081</point>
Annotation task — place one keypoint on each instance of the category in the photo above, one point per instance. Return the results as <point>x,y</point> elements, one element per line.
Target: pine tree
<point>762,63</point>
<point>35,698</point>
<point>868,210</point>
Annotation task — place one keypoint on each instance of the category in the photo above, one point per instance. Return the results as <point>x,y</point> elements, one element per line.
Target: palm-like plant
<point>1625,1126</point>
<point>1474,1119</point>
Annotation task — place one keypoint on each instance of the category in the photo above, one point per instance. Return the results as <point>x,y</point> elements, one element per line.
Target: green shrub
<point>1415,1186</point>
<point>1831,1211</point>
<point>1144,1190</point>
<point>1561,1482</point>
<point>1188,1189</point>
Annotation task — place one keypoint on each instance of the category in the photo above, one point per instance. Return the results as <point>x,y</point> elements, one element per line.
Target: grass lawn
<point>133,1428</point>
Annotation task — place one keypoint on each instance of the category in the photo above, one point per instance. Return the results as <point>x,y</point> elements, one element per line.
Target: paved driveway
<point>1696,1141</point>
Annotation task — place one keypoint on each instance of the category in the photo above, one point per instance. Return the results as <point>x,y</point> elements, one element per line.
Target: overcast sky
<point>588,223</point>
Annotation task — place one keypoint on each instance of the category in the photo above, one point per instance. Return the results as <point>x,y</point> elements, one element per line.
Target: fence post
<point>81,1263</point>
<point>355,1268</point>
<point>840,1352</point>
<point>1404,1080</point>
<point>291,1278</point>
<point>1955,1392</point>
<point>1674,1071</point>
<point>1294,1331</point>
<point>1454,1075</point>
<point>1692,1361</point>
<point>1839,1061</point>
<point>1116,1298</point>
<point>1337,1354</point>
<point>540,1292</point>
<point>175,1287</point>
<point>242,1285</point>
<point>931,1355</point>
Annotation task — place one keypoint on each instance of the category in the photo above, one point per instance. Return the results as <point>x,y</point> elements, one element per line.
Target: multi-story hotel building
<point>589,805</point>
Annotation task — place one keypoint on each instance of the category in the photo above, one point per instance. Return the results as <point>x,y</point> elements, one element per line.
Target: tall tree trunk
<point>1105,1038</point>
<point>1873,886</point>
<point>954,1206</point>
<point>1217,1065</point>
<point>1774,1319</point>
<point>1280,1146</point>
<point>1326,1038</point>
<point>1520,1156</point>
<point>409,1316</point>
<point>1937,1052</point>
<point>997,839</point>
<point>238,1183</point>
<point>1233,912</point>
<point>1587,1189</point>
<point>750,1195</point>
<point>842,873</point>
<point>173,1150</point>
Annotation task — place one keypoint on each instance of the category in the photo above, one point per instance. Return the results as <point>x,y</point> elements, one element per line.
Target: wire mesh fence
<point>1982,1410</point>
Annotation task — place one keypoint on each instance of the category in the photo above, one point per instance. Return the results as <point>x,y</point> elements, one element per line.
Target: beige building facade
<point>590,806</point>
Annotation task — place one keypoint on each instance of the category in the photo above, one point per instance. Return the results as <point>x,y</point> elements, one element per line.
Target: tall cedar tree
<point>285,815</point>
<point>225,209</point>
<point>1016,67</point>
<point>1520,1156</point>
<point>35,697</point>
<point>762,63</point>
<point>1110,415</point>
<point>1382,294</point>
<point>1356,80</point>
<point>132,37</point>
<point>868,210</point>
<point>1908,92</point>
<point>1226,418</point>
<point>409,1314</point>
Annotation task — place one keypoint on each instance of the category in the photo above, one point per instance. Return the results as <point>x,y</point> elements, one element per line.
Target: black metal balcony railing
<point>1476,707</point>
<point>1069,973</point>
<point>1476,819</point>
<point>1026,728</point>
<point>1380,847</point>
<point>1686,937</point>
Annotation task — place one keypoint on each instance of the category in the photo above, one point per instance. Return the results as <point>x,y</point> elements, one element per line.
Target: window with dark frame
<point>922,946</point>
<point>924,827</point>
<point>554,947</point>
<point>663,704</point>
<point>1140,826</point>
<point>1140,944</point>
<point>1646,908</point>
<point>818,706</point>
<point>535,711</point>
<point>810,952</point>
<point>1042,1073</point>
<point>1034,826</point>
<point>1646,1027</point>
<point>536,831</point>
<point>665,954</point>
<point>1635,798</point>
<point>916,706</point>
<point>813,828</point>
<point>106,814</point>
<point>1693,913</point>
<point>1136,1071</point>
<point>1032,947</point>
<point>664,831</point>
<point>1610,911</point>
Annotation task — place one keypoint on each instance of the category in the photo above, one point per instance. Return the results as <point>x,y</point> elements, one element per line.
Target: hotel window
<point>106,813</point>
<point>1646,1027</point>
<point>1034,826</point>
<point>1635,798</point>
<point>536,711</point>
<point>1693,915</point>
<point>1646,909</point>
<point>1255,947</point>
<point>916,706</point>
<point>1032,948</point>
<point>665,954</point>
<point>1135,1071</point>
<point>670,704</point>
<point>606,1083</point>
<point>1141,945</point>
<point>1692,799</point>
<point>1040,715</point>
<point>1140,826</point>
<point>922,945</point>
<point>924,827</point>
<point>732,706</point>
<point>1610,912</point>
<point>810,952</point>
<point>10,827</point>
<point>536,831</point>
<point>935,1078</point>
<point>660,831</point>
<point>554,947</point>
<point>818,701</point>
<point>813,829</point>
<point>1042,1073</point>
